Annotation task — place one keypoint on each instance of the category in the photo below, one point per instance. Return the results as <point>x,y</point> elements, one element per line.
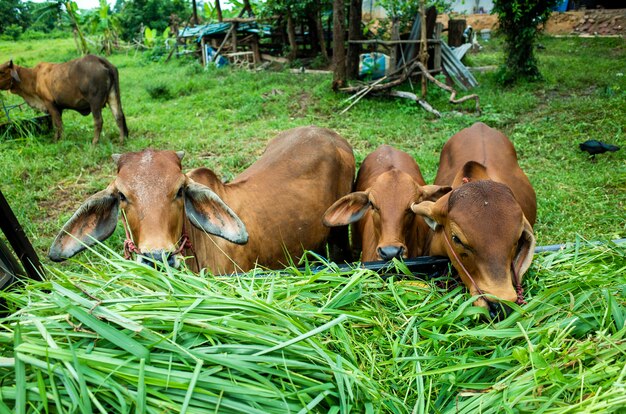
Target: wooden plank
<point>18,240</point>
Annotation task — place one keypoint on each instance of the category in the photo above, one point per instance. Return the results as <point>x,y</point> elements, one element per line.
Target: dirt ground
<point>598,22</point>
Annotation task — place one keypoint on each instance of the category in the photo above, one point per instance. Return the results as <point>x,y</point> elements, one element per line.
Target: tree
<point>12,13</point>
<point>518,21</point>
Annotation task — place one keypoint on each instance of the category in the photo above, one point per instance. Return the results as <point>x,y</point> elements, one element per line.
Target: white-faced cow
<point>484,225</point>
<point>272,210</point>
<point>388,184</point>
<point>85,85</point>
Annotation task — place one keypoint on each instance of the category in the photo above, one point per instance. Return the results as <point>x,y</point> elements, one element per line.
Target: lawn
<point>106,335</point>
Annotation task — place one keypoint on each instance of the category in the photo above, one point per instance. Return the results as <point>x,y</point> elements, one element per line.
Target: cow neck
<point>518,285</point>
<point>26,83</point>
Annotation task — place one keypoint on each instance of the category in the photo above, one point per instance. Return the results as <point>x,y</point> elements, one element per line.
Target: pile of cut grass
<point>117,336</point>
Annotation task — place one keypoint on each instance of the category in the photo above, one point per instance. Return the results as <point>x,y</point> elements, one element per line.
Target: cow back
<point>492,149</point>
<point>281,199</point>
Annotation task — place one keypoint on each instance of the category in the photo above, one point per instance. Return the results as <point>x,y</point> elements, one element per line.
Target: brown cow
<point>388,183</point>
<point>85,85</point>
<point>273,208</point>
<point>484,225</point>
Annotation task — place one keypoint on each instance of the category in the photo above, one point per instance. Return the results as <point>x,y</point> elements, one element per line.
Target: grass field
<point>105,335</point>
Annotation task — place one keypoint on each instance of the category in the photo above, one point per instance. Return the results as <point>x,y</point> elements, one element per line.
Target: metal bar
<point>18,240</point>
<point>557,247</point>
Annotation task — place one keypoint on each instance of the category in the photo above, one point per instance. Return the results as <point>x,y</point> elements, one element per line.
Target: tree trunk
<point>354,33</point>
<point>194,9</point>
<point>218,8</point>
<point>339,47</point>
<point>291,35</point>
<point>320,33</point>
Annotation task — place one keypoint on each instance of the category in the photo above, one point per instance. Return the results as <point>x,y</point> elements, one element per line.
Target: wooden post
<point>234,37</point>
<point>437,57</point>
<point>203,51</point>
<point>339,47</point>
<point>395,35</point>
<point>354,33</point>
<point>423,47</point>
<point>254,45</point>
<point>456,27</point>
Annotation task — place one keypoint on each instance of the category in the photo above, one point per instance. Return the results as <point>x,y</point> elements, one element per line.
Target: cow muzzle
<point>159,257</point>
<point>390,252</point>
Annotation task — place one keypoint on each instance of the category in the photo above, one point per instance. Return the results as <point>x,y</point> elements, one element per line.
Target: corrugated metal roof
<point>222,28</point>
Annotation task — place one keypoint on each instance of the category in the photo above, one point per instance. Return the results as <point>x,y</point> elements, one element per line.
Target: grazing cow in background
<point>85,85</point>
<point>385,227</point>
<point>484,225</point>
<point>270,211</point>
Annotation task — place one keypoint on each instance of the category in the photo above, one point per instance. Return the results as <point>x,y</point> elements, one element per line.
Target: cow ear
<point>93,222</point>
<point>348,209</point>
<point>209,213</point>
<point>14,73</point>
<point>432,192</point>
<point>471,171</point>
<point>525,250</point>
<point>433,212</point>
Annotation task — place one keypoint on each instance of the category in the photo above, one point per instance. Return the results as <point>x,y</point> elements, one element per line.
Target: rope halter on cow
<point>131,248</point>
<point>518,285</point>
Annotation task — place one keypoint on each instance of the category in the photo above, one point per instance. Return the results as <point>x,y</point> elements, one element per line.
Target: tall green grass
<point>117,336</point>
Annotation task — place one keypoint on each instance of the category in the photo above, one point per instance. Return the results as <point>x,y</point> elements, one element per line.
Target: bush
<point>13,31</point>
<point>159,91</point>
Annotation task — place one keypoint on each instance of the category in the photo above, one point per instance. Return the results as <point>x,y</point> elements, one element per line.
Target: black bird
<point>594,147</point>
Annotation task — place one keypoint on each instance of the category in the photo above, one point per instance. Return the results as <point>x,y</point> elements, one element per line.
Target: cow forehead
<point>485,210</point>
<point>149,173</point>
<point>394,186</point>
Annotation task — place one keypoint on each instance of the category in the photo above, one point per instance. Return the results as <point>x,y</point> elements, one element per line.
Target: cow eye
<point>179,194</point>
<point>457,240</point>
<point>122,196</point>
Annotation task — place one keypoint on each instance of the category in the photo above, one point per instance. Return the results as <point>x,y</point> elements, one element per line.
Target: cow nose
<point>158,256</point>
<point>498,311</point>
<point>389,252</point>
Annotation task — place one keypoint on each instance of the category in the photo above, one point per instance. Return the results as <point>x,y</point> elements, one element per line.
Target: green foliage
<point>518,22</point>
<point>13,13</point>
<point>105,25</point>
<point>134,15</point>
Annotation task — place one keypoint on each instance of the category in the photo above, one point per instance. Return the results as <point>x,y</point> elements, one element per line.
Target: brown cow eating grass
<point>384,226</point>
<point>85,85</point>
<point>266,216</point>
<point>485,224</point>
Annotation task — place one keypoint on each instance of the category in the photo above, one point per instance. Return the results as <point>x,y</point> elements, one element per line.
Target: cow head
<point>153,196</point>
<point>387,205</point>
<point>482,229</point>
<point>8,75</point>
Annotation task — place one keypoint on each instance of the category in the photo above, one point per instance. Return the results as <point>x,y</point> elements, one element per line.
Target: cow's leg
<point>55,114</point>
<point>116,108</point>
<point>97,123</point>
